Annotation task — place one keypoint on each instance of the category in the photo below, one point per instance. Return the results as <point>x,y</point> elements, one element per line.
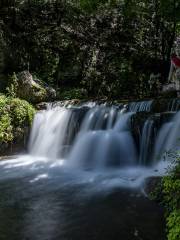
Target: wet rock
<point>66,103</point>
<point>151,185</point>
<point>42,106</point>
<point>56,104</point>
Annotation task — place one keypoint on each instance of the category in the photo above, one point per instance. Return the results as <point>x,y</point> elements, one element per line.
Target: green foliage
<point>109,45</point>
<point>13,85</point>
<point>92,5</point>
<point>22,113</point>
<point>171,189</point>
<point>171,200</point>
<point>73,93</point>
<point>5,121</point>
<point>14,113</point>
<point>173,224</point>
<point>167,193</point>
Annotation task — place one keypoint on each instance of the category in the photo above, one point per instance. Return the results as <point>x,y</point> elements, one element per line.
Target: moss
<point>14,114</point>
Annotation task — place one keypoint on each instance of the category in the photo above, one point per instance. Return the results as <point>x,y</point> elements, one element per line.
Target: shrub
<point>171,200</point>
<point>14,113</point>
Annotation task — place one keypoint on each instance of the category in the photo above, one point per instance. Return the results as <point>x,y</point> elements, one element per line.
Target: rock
<point>42,106</point>
<point>169,91</point>
<point>56,104</point>
<point>51,92</point>
<point>152,184</point>
<point>33,90</point>
<point>168,87</point>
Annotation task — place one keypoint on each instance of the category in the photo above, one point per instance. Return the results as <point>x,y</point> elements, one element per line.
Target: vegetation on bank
<point>171,201</point>
<point>15,116</point>
<point>167,194</point>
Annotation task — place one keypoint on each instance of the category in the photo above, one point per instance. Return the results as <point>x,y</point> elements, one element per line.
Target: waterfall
<point>54,130</point>
<point>168,138</point>
<point>96,148</point>
<point>146,142</point>
<point>173,139</point>
<point>174,105</point>
<point>102,136</point>
<point>48,133</point>
<point>102,144</point>
<point>143,106</point>
<point>161,140</point>
<point>100,117</point>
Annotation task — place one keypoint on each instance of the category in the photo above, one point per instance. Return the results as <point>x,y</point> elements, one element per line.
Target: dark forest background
<point>108,48</point>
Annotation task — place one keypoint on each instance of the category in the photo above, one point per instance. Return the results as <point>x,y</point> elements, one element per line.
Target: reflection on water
<point>43,200</point>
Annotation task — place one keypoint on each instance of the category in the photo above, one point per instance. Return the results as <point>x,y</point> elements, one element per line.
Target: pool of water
<point>43,200</point>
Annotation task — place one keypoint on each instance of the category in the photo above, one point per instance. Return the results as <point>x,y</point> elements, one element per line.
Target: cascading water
<point>168,138</point>
<point>87,163</point>
<point>53,131</point>
<point>147,138</point>
<point>102,137</point>
<point>174,105</point>
<point>97,148</point>
<point>48,133</point>
<point>143,106</point>
<point>99,139</point>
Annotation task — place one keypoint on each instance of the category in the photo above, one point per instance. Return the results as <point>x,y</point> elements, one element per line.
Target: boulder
<point>152,188</point>
<point>169,90</point>
<point>33,90</point>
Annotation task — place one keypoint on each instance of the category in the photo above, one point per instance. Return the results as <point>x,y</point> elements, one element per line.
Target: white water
<point>168,138</point>
<point>96,148</point>
<point>143,106</point>
<point>146,141</point>
<point>104,146</point>
<point>48,133</point>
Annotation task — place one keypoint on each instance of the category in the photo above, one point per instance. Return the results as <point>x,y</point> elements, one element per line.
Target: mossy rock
<point>24,86</point>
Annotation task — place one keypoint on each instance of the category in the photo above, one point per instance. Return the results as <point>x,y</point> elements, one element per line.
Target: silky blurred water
<point>43,200</point>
